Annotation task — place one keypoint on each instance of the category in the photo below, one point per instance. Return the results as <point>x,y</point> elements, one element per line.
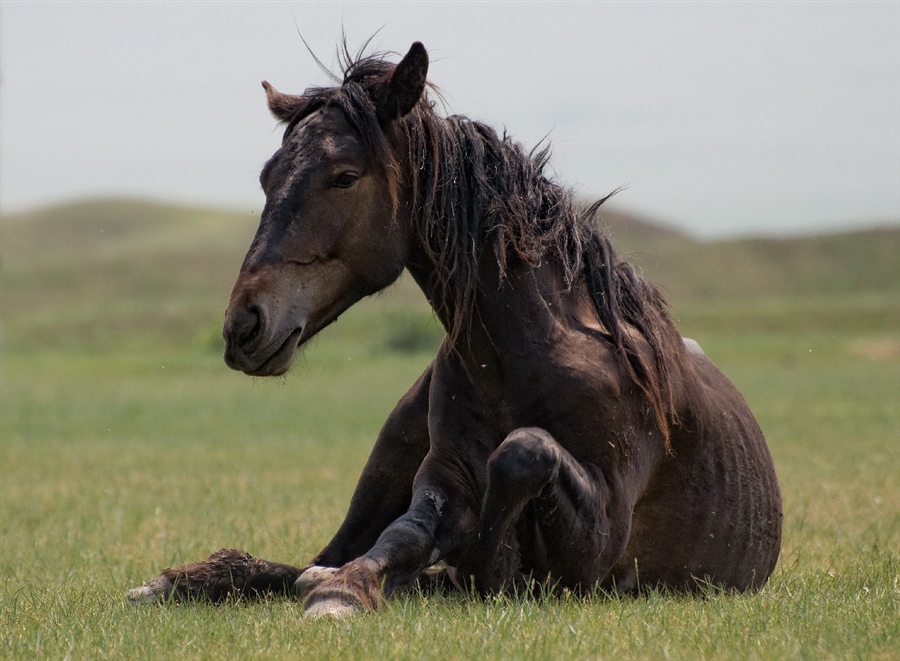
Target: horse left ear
<point>405,87</point>
<point>283,106</point>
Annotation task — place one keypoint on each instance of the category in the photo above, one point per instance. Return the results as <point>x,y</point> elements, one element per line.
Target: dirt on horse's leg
<point>224,573</point>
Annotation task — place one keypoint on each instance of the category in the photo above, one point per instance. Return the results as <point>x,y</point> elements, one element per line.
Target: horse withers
<point>564,435</point>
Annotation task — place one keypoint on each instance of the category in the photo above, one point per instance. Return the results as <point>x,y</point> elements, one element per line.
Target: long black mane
<point>476,191</point>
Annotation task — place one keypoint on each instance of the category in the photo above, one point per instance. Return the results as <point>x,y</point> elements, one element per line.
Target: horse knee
<point>527,460</point>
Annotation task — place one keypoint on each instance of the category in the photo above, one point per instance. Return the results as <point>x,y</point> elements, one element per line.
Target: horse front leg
<point>569,524</point>
<point>383,493</point>
<point>407,547</point>
<point>385,488</point>
<point>223,574</point>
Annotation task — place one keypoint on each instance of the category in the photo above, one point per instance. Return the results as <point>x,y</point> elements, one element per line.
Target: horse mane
<point>474,191</point>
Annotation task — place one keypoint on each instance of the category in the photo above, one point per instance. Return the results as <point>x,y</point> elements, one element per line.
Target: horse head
<point>331,231</point>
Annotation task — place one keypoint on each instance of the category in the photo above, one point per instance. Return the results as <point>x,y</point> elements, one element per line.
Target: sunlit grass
<point>116,465</point>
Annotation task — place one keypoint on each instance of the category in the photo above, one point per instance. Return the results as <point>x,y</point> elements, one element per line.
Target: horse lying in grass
<point>565,433</point>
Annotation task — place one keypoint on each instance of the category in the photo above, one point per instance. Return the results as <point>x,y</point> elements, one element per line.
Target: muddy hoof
<point>311,578</point>
<point>354,588</point>
<point>337,607</point>
<point>155,592</point>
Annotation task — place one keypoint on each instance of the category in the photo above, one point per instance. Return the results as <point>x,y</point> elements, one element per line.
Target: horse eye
<point>345,180</point>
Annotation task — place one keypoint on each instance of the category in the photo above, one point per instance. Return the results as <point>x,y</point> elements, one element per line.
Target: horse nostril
<point>253,324</point>
<point>244,327</point>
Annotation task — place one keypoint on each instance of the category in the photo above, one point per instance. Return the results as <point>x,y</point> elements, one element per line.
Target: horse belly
<point>711,516</point>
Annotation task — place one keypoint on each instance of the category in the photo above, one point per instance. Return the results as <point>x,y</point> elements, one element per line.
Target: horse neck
<point>422,271</point>
<point>523,305</point>
<point>507,300</point>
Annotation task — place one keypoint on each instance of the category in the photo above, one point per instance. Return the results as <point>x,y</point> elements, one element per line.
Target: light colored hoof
<point>156,591</point>
<point>143,595</point>
<point>311,578</point>
<point>331,608</point>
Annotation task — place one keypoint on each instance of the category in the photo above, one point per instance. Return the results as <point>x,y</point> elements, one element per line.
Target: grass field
<point>126,446</point>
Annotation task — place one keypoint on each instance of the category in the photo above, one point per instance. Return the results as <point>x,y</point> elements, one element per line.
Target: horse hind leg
<point>537,492</point>
<point>223,574</point>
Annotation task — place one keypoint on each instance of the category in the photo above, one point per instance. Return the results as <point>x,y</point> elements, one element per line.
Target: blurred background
<point>759,142</point>
<point>723,119</point>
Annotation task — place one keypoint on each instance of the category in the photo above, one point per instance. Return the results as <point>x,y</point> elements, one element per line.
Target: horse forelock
<point>354,98</point>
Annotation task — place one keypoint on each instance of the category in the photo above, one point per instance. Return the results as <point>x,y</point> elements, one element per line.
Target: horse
<point>564,435</point>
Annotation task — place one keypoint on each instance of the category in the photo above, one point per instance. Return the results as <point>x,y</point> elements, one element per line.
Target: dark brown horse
<point>565,434</point>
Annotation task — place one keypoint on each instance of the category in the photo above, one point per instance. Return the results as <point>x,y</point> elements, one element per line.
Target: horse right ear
<point>283,106</point>
<point>404,89</point>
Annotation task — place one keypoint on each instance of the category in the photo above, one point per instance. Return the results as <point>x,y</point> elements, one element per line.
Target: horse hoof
<point>354,588</point>
<point>156,591</point>
<point>311,578</point>
<point>333,600</point>
<point>335,608</point>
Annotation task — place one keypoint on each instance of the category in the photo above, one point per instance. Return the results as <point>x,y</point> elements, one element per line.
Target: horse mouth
<point>275,363</point>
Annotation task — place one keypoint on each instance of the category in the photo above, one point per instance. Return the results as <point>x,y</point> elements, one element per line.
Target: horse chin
<point>276,364</point>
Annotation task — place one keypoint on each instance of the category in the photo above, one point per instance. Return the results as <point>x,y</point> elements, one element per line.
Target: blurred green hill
<point>818,264</point>
<point>122,273</point>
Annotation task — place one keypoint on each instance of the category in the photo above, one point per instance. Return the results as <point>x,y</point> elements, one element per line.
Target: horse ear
<point>283,106</point>
<point>405,87</point>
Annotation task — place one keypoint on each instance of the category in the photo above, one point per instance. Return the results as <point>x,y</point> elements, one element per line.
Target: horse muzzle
<point>257,345</point>
<point>272,313</point>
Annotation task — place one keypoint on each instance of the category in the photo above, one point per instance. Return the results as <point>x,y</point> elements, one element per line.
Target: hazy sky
<point>722,118</point>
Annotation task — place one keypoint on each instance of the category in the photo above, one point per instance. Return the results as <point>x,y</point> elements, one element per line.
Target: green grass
<point>126,446</point>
